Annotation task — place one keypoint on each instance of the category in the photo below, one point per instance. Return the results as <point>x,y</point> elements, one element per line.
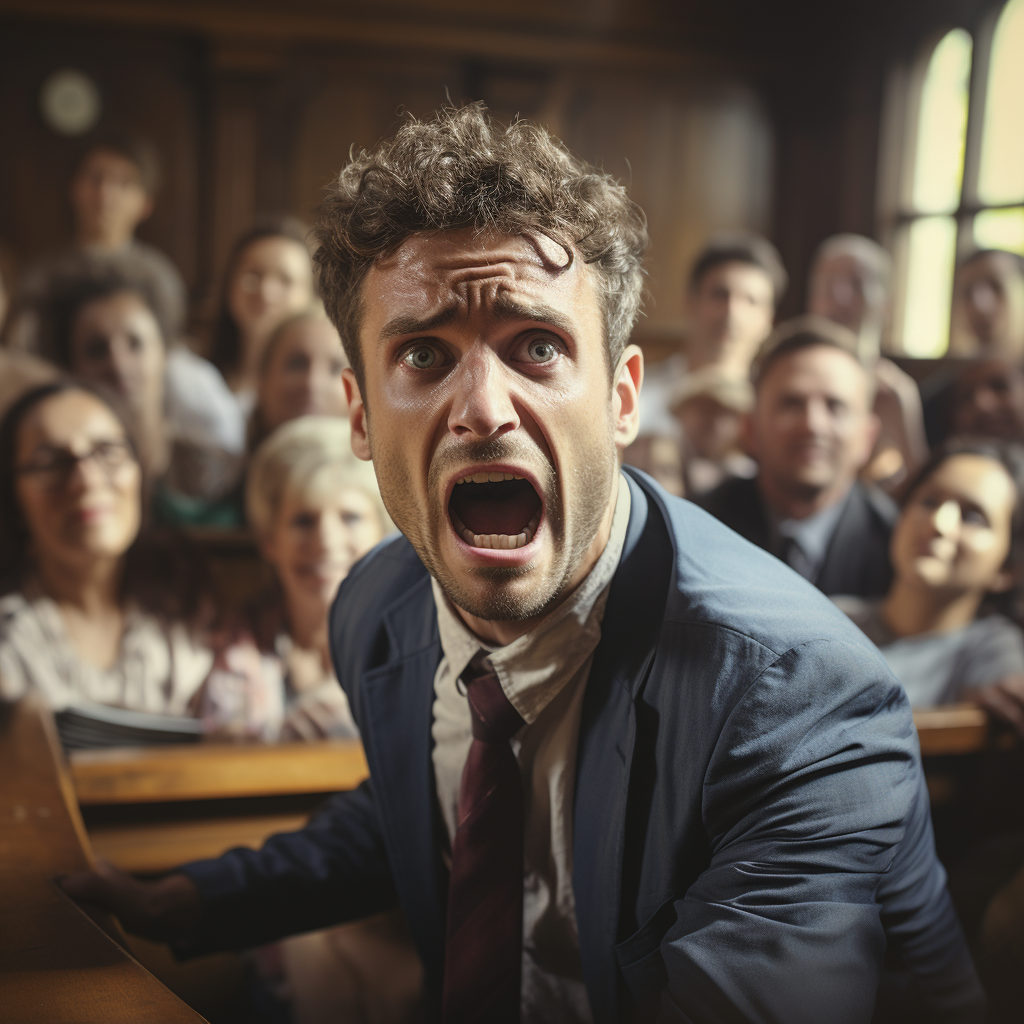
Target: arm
<point>333,870</point>
<point>807,799</point>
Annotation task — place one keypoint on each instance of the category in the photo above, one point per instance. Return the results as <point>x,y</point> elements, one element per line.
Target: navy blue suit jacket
<point>751,834</point>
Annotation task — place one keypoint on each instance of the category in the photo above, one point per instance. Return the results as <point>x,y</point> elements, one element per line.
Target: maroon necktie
<point>484,945</point>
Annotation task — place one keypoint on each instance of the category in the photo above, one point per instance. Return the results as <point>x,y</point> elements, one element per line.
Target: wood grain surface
<point>56,965</point>
<point>215,771</point>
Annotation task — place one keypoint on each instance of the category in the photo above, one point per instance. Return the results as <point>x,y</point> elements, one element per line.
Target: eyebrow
<point>504,309</point>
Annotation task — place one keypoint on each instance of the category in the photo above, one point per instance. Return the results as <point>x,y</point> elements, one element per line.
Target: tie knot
<point>495,720</point>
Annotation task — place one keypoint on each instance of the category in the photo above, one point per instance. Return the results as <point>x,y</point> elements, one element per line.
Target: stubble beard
<point>516,593</point>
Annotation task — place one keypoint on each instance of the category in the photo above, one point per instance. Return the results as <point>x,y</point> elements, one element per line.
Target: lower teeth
<point>499,541</point>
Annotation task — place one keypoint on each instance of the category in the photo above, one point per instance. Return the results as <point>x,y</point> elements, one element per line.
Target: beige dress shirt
<point>543,674</point>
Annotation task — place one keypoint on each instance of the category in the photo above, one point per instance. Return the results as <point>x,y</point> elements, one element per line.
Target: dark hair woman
<point>956,555</point>
<point>92,611</point>
<point>269,277</point>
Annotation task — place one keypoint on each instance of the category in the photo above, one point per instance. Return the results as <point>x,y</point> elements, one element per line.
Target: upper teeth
<point>488,478</point>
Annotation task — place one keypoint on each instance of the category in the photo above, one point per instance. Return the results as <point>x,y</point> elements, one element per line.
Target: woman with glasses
<point>269,278</point>
<point>91,612</point>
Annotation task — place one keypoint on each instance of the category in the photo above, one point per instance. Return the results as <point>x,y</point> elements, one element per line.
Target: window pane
<point>1001,178</point>
<point>942,126</point>
<point>931,254</point>
<point>1000,229</point>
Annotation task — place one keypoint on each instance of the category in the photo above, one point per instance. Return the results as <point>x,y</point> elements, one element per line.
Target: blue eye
<point>422,357</point>
<point>541,350</point>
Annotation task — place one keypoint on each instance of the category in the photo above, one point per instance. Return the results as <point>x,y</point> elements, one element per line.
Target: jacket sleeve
<point>333,870</point>
<point>814,807</point>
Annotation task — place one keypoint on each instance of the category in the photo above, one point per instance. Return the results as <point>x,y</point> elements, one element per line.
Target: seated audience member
<point>20,371</point>
<point>315,510</point>
<point>735,284</point>
<point>956,547</point>
<point>91,613</point>
<point>710,407</point>
<point>102,322</point>
<point>300,374</point>
<point>269,278</point>
<point>811,431</point>
<point>850,285</point>
<point>112,192</point>
<point>988,305</point>
<point>988,399</point>
<point>661,457</point>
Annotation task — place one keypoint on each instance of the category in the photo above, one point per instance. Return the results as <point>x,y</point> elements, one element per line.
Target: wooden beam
<point>451,36</point>
<point>215,771</point>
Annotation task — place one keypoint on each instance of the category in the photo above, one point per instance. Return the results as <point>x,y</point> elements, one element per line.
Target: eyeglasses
<point>53,467</point>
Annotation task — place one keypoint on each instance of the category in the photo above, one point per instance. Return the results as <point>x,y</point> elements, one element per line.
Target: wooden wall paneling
<point>148,83</point>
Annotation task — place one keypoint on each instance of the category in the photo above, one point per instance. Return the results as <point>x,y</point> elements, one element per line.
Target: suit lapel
<point>631,623</point>
<point>397,704</point>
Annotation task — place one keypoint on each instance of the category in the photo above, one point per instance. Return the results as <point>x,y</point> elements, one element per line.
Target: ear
<point>1006,579</point>
<point>147,208</point>
<point>356,415</point>
<point>626,384</point>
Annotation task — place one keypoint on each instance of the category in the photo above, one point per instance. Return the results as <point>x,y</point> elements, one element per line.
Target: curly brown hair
<point>460,169</point>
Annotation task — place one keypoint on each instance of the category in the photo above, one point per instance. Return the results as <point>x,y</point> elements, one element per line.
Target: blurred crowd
<point>126,440</point>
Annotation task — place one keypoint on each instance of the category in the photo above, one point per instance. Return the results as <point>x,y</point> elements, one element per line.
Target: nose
<point>946,519</point>
<point>816,417</point>
<point>86,475</point>
<point>985,399</point>
<point>482,406</point>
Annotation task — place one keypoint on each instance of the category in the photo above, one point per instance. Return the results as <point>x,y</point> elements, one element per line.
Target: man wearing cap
<point>811,431</point>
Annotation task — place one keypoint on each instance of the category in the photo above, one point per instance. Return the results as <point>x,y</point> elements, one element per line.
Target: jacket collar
<point>632,622</point>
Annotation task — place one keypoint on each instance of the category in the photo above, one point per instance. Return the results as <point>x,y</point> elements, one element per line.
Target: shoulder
<point>733,610</point>
<point>877,503</point>
<point>734,492</point>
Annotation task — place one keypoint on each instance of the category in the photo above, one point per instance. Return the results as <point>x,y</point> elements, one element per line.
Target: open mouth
<point>495,510</point>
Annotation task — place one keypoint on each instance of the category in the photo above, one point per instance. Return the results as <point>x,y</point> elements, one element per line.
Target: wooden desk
<point>56,964</point>
<point>959,729</point>
<point>151,808</point>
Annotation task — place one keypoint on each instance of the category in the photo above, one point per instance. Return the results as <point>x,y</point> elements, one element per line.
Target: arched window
<point>959,144</point>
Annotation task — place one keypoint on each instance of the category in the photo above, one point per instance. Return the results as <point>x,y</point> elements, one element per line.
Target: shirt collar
<point>534,667</point>
<point>811,534</point>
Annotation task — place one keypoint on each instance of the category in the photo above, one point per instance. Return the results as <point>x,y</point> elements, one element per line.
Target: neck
<point>98,238</point>
<point>912,609</point>
<point>793,502</point>
<point>308,626</point>
<point>154,448</point>
<point>501,633</point>
<point>246,377</point>
<point>92,588</point>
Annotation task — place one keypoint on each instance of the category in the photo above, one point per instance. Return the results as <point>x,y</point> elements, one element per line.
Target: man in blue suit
<point>623,764</point>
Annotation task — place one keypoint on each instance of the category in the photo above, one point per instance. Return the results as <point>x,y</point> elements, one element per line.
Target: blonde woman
<point>315,510</point>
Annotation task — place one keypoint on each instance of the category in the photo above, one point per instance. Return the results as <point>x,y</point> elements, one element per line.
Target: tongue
<point>495,508</point>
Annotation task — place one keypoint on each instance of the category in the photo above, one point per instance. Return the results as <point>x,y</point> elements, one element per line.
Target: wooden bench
<point>59,965</point>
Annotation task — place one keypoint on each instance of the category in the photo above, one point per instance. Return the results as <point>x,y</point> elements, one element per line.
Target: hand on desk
<point>165,910</point>
<point>1003,700</point>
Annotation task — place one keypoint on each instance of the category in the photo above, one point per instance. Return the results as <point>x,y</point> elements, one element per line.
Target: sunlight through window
<point>1001,178</point>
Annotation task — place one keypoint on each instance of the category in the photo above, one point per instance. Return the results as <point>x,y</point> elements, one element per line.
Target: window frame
<point>898,155</point>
